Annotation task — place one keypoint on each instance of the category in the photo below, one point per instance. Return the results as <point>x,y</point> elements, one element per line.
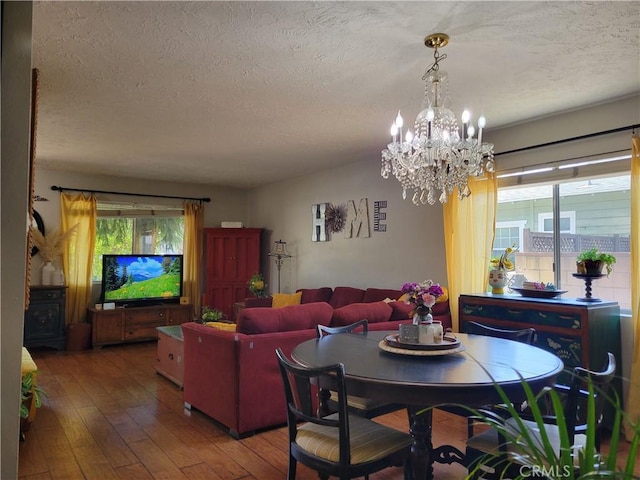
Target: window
<point>595,212</point>
<point>508,234</point>
<point>567,222</point>
<point>131,229</point>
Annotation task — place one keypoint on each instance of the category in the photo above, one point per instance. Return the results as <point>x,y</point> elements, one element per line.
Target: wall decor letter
<point>318,223</point>
<point>379,215</point>
<point>358,222</point>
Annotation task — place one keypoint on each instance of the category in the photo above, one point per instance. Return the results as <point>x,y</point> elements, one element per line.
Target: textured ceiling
<point>245,93</point>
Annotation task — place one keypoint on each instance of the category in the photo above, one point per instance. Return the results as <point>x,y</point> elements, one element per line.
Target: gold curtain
<point>77,257</point>
<point>192,250</point>
<point>469,227</point>
<point>633,400</point>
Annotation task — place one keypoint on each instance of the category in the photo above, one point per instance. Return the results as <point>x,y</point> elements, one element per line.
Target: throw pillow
<point>445,295</point>
<point>229,327</point>
<point>284,299</point>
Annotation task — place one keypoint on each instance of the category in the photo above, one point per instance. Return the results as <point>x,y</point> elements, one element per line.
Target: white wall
<point>412,248</point>
<point>15,81</point>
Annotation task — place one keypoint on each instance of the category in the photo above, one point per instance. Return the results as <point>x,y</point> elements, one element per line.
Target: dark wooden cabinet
<point>124,325</point>
<point>580,333</point>
<point>232,257</point>
<point>44,320</point>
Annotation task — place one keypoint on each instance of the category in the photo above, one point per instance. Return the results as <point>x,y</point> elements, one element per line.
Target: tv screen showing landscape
<point>135,278</point>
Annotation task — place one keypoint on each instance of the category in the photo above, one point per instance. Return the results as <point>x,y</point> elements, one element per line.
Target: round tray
<point>530,292</point>
<point>448,343</point>
<point>420,353</point>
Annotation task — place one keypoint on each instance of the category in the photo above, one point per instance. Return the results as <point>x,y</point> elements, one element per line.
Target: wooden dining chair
<point>341,444</point>
<point>491,455</point>
<point>365,407</point>
<point>524,335</point>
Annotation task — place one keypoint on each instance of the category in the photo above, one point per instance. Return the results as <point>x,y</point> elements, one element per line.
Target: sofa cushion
<point>380,294</point>
<point>374,312</point>
<point>345,296</point>
<point>253,321</point>
<point>441,308</point>
<point>401,310</point>
<point>285,299</point>
<point>312,295</point>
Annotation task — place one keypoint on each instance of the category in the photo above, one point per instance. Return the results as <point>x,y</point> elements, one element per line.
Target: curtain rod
<point>572,139</point>
<point>62,189</point>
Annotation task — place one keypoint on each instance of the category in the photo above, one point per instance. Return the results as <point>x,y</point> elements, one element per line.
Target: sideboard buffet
<point>124,325</point>
<point>579,332</point>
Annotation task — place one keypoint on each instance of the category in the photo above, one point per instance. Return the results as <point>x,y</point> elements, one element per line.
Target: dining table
<point>464,370</point>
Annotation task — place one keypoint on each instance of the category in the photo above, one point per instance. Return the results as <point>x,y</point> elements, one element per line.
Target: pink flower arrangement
<point>423,295</point>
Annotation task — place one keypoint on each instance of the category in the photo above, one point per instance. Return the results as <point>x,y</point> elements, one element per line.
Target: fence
<point>543,242</point>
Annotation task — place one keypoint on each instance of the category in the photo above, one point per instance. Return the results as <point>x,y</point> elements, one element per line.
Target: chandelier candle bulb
<point>481,124</point>
<point>470,132</point>
<point>430,115</point>
<point>465,122</point>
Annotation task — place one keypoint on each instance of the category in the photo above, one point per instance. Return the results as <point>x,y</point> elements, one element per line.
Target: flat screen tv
<point>138,280</point>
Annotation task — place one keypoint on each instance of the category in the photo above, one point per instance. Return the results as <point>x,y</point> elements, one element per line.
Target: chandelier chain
<point>435,66</point>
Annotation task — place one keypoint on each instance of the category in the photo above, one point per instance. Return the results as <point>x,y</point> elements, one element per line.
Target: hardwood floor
<point>109,415</point>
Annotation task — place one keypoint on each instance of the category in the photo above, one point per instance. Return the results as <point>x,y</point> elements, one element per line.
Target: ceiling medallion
<point>438,158</point>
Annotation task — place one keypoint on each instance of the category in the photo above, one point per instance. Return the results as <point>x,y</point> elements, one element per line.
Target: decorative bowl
<point>534,293</point>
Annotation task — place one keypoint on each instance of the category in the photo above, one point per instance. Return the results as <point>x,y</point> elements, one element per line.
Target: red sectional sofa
<point>233,377</point>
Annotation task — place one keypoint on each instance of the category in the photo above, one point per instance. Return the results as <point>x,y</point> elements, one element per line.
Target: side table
<point>171,354</point>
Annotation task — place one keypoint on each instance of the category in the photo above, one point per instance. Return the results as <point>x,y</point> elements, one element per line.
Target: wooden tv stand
<point>135,324</point>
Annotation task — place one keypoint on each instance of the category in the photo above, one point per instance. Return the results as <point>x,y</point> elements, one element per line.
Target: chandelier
<point>440,156</point>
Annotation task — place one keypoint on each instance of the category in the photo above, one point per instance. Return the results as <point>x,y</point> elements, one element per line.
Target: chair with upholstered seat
<point>364,407</point>
<point>339,444</point>
<point>524,335</point>
<point>501,452</point>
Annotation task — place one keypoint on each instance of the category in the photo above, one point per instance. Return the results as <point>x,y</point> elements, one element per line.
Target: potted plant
<point>257,285</point>
<point>591,262</point>
<point>211,314</point>
<point>536,452</point>
<point>30,394</point>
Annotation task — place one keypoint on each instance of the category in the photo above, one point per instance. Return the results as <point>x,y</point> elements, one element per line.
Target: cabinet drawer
<point>140,332</point>
<point>178,316</point>
<point>571,320</point>
<point>39,295</point>
<point>569,349</point>
<point>43,321</point>
<point>158,316</point>
<point>495,312</point>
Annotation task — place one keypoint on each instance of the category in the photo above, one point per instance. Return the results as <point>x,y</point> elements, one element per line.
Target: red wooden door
<point>232,257</point>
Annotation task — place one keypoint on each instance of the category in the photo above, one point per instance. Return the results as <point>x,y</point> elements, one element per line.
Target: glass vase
<point>47,273</point>
<point>422,317</point>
